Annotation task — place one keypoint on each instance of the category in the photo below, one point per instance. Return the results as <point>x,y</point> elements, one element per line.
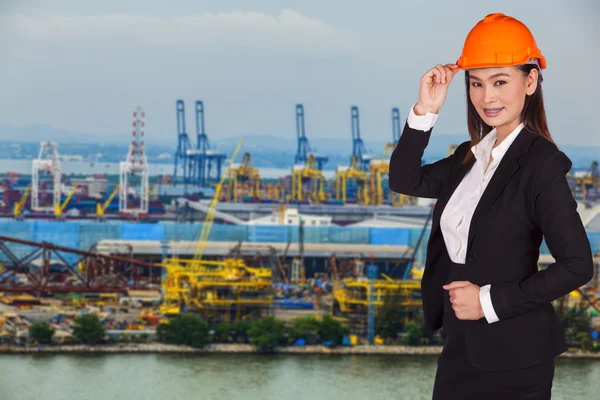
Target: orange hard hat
<point>499,41</point>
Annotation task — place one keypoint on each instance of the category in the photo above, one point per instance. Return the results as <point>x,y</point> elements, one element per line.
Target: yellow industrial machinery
<point>351,295</point>
<point>587,186</point>
<point>352,173</point>
<point>217,290</point>
<point>101,209</point>
<point>20,205</point>
<point>60,208</point>
<point>377,170</point>
<point>308,173</point>
<point>274,192</point>
<point>242,181</point>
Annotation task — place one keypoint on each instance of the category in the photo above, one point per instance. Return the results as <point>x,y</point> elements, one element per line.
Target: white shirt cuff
<point>421,122</point>
<point>486,303</point>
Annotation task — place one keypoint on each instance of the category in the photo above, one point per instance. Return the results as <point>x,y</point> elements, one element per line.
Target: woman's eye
<point>500,82</point>
<point>475,84</point>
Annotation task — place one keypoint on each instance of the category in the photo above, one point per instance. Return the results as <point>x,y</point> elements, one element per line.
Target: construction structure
<point>243,181</point>
<point>206,161</point>
<point>304,149</point>
<point>19,206</point>
<point>183,165</point>
<point>351,183</point>
<point>199,166</point>
<point>220,291</point>
<point>46,177</point>
<point>308,183</point>
<point>358,147</point>
<point>135,168</point>
<point>355,294</point>
<point>586,186</point>
<point>101,208</point>
<point>46,269</point>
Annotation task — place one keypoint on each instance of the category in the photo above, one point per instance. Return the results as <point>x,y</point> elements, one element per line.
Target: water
<point>85,167</point>
<point>248,377</point>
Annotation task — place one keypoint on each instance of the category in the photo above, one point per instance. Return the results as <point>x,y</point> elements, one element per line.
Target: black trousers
<point>457,379</point>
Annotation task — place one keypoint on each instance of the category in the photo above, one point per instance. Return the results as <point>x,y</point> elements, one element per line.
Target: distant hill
<point>267,150</point>
<point>39,133</point>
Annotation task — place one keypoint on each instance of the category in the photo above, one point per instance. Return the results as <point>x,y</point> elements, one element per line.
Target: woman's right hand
<point>434,87</point>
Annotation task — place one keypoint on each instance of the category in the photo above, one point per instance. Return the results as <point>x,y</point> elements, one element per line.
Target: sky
<point>84,66</point>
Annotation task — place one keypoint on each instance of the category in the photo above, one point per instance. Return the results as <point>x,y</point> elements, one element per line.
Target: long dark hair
<point>533,114</point>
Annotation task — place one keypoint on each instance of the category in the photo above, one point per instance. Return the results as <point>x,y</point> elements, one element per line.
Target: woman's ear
<point>532,81</point>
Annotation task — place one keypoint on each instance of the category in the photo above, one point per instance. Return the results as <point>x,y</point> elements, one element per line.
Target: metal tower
<point>303,147</point>
<point>181,174</point>
<point>207,162</point>
<point>395,124</point>
<point>47,163</point>
<point>358,147</point>
<point>135,165</point>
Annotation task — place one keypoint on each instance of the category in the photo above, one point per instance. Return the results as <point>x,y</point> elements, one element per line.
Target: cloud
<point>288,31</point>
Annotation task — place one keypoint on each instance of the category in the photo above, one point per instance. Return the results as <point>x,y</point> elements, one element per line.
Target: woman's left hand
<point>464,297</point>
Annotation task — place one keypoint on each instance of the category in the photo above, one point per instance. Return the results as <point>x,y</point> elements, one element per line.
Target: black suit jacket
<point>527,199</point>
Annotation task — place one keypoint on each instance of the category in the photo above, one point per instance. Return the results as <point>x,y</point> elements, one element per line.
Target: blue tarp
<point>142,231</point>
<point>83,234</point>
<point>397,236</point>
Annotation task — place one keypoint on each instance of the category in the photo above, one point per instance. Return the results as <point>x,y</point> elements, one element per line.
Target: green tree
<point>184,329</point>
<point>268,333</point>
<point>223,333</point>
<point>41,332</point>
<point>232,332</point>
<point>389,321</point>
<point>332,330</point>
<point>307,328</point>
<point>88,329</point>
<point>240,330</point>
<point>417,333</point>
<point>575,322</point>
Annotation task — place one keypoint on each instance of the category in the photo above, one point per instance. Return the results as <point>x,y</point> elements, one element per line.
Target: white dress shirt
<point>457,215</point>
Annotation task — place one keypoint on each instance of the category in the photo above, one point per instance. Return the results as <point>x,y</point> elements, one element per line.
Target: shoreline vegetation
<point>161,348</point>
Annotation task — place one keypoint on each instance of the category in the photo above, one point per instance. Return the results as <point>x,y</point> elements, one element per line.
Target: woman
<point>498,195</point>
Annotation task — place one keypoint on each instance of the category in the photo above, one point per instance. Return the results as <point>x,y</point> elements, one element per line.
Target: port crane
<point>218,290</point>
<point>304,149</point>
<point>101,208</point>
<point>135,167</point>
<point>20,205</point>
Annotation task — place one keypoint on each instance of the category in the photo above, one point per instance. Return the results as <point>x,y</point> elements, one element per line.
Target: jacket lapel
<point>504,172</point>
<point>447,194</point>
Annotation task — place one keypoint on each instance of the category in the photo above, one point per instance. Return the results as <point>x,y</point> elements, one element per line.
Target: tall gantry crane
<point>358,147</point>
<point>135,167</point>
<point>380,168</point>
<point>183,167</point>
<point>47,164</point>
<point>304,149</point>
<point>206,161</point>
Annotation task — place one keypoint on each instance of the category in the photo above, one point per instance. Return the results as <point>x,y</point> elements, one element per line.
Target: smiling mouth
<point>492,112</point>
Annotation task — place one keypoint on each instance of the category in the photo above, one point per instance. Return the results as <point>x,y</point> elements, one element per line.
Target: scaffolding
<point>352,176</point>
<point>219,291</point>
<point>47,163</point>
<point>351,298</point>
<point>135,166</point>
<point>308,183</point>
<point>243,181</point>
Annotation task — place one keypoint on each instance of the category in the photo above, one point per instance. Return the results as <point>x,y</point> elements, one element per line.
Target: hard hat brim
<point>540,61</point>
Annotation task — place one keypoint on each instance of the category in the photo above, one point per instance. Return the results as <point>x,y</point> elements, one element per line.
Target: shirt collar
<point>482,149</point>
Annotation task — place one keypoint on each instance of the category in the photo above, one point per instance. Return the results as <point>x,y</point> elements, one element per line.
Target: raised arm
<point>406,175</point>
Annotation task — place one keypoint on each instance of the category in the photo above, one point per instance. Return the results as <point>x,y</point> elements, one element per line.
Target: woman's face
<point>499,93</point>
